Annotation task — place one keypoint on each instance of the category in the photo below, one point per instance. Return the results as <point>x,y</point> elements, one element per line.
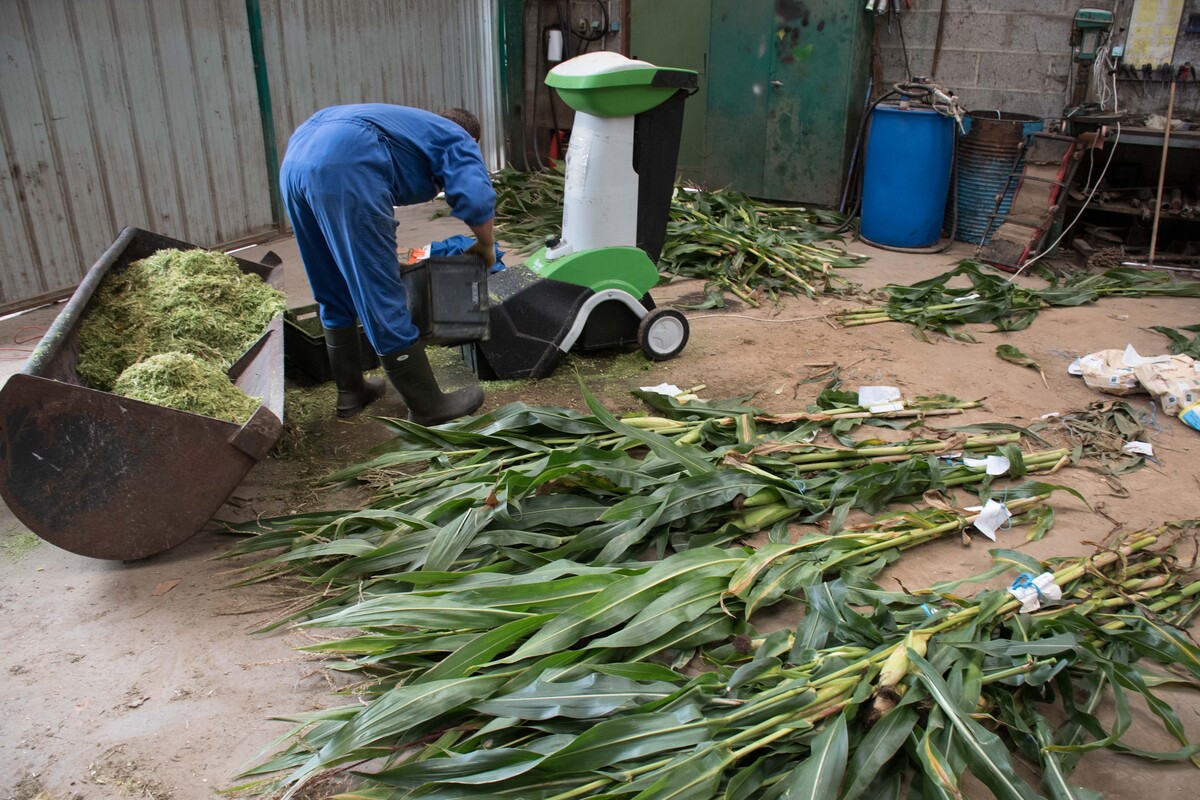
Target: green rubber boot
<point>410,373</point>
<point>345,360</point>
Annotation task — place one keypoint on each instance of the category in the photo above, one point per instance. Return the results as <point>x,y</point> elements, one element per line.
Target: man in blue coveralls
<point>344,170</point>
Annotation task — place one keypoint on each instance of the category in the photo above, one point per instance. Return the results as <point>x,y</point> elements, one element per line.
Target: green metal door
<point>782,84</point>
<point>740,56</point>
<point>817,84</point>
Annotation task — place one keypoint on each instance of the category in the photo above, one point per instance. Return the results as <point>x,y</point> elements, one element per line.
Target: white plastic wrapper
<point>669,389</point>
<point>991,518</point>
<point>1032,592</point>
<point>993,465</point>
<point>870,396</point>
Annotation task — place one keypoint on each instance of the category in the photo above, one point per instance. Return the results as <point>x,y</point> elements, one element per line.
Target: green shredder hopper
<point>108,477</point>
<point>589,287</point>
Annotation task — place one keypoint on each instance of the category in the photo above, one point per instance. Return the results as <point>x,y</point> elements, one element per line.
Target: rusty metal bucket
<point>108,477</point>
<point>989,153</point>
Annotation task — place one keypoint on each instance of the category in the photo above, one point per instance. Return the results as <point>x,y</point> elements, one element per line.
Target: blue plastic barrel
<point>906,176</point>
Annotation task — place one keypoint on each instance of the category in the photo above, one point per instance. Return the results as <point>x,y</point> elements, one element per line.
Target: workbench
<point>1122,208</point>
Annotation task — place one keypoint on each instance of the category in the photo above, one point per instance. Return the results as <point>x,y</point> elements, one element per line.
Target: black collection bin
<point>448,298</point>
<point>305,358</point>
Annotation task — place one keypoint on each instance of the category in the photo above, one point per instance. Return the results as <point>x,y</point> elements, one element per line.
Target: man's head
<point>464,119</point>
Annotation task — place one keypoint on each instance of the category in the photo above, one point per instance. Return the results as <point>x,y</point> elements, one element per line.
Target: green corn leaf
<point>540,590</point>
<point>592,696</point>
<point>1043,522</point>
<point>414,611</point>
<point>396,711</point>
<point>985,753</point>
<point>686,456</point>
<point>476,653</point>
<point>1038,648</point>
<point>692,775</point>
<point>454,537</point>
<point>1180,343</point>
<point>938,779</point>
<point>638,671</point>
<point>820,775</point>
<point>747,782</point>
<point>885,738</point>
<point>761,559</point>
<point>678,607</point>
<point>1160,642</point>
<point>625,599</point>
<point>1014,356</point>
<point>478,767</point>
<point>1054,773</point>
<point>628,738</point>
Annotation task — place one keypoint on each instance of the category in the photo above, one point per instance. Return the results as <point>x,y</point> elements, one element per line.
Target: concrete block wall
<point>1010,55</point>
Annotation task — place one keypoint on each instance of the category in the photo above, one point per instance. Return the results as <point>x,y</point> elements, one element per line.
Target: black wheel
<point>663,333</point>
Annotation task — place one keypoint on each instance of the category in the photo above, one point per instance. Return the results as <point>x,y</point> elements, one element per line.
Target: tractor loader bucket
<point>108,477</point>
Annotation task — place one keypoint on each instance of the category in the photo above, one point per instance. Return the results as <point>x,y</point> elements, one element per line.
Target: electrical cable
<point>854,178</point>
<point>903,45</point>
<point>568,50</point>
<point>1082,208</point>
<point>537,156</point>
<point>593,37</point>
<point>759,319</point>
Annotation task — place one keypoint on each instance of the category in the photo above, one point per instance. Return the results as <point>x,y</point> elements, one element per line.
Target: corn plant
<point>932,305</point>
<point>1180,343</point>
<point>873,688</point>
<point>523,486</point>
<point>737,245</point>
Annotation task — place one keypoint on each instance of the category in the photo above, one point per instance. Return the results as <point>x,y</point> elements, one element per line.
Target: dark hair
<point>464,119</point>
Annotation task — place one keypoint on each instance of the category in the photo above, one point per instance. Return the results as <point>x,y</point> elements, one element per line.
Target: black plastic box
<point>448,298</point>
<point>304,355</point>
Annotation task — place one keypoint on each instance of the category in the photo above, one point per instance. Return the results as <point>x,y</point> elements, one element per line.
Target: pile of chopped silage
<point>186,383</point>
<point>194,303</point>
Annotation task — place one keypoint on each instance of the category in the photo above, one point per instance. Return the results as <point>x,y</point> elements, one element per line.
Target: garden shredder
<point>588,288</point>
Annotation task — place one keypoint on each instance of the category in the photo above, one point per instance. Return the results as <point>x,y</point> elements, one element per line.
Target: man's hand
<point>485,243</point>
<point>485,250</point>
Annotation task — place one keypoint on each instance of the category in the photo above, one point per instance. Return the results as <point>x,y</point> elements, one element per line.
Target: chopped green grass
<point>17,543</point>
<point>186,383</point>
<point>195,301</point>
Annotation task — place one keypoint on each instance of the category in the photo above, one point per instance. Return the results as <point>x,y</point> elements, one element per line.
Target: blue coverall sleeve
<point>465,180</point>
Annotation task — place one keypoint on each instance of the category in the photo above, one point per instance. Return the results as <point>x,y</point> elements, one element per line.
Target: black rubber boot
<point>410,373</point>
<point>345,360</point>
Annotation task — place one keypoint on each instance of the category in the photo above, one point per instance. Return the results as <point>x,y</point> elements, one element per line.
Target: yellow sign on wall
<point>1153,26</point>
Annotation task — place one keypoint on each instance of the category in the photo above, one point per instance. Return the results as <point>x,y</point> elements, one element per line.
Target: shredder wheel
<point>663,333</point>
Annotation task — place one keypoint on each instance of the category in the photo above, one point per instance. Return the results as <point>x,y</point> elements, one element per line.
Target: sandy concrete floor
<point>145,680</point>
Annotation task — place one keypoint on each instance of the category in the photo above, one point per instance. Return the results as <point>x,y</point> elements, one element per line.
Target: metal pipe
<point>265,112</point>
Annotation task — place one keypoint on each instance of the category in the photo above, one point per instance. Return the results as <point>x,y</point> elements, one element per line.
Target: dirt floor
<point>146,679</point>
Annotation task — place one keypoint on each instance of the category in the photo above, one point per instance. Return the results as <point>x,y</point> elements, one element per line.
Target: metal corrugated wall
<point>122,112</point>
<point>424,53</point>
<point>146,112</point>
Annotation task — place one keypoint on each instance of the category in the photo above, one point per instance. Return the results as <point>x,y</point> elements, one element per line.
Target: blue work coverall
<point>343,171</point>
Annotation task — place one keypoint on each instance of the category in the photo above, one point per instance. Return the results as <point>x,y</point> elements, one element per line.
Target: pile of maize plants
<point>933,305</point>
<point>750,249</point>
<point>551,604</point>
